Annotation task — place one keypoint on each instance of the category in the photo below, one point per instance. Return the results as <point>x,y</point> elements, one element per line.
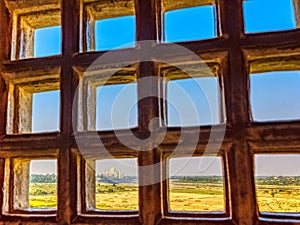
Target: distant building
<point>113,172</point>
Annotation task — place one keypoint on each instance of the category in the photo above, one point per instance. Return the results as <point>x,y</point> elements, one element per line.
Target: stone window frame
<point>213,66</point>
<point>93,10</point>
<point>22,86</point>
<point>257,149</point>
<point>88,192</point>
<point>16,183</point>
<point>226,177</point>
<point>89,80</point>
<point>27,17</point>
<point>270,60</point>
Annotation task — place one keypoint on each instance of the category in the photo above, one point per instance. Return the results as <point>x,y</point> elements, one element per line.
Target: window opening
<point>277,182</point>
<point>45,111</point>
<point>264,15</point>
<point>195,23</point>
<point>274,96</point>
<point>196,184</point>
<point>47,41</point>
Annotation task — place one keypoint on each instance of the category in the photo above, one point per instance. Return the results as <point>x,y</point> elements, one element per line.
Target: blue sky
<point>47,41</point>
<point>43,166</point>
<point>116,32</point>
<point>193,102</point>
<point>264,15</point>
<point>181,25</point>
<point>274,96</point>
<point>277,164</point>
<point>196,166</point>
<point>113,102</point>
<point>47,116</point>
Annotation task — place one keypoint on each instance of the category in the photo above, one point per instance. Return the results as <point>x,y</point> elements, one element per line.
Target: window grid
<point>241,138</point>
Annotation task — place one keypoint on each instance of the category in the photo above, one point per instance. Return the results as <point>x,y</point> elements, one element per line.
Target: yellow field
<point>116,197</point>
<point>277,198</point>
<point>196,197</point>
<point>117,201</point>
<point>42,195</point>
<point>183,197</point>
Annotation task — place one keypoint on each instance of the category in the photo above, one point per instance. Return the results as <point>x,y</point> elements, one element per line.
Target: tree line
<point>278,180</point>
<point>198,179</point>
<point>43,178</point>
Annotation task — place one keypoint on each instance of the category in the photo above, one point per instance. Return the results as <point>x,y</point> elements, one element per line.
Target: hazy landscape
<point>187,193</point>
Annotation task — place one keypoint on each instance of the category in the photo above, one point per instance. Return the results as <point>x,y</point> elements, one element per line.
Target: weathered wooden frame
<point>241,133</point>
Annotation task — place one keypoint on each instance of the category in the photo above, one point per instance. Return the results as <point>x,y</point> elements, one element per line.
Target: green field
<point>281,195</point>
